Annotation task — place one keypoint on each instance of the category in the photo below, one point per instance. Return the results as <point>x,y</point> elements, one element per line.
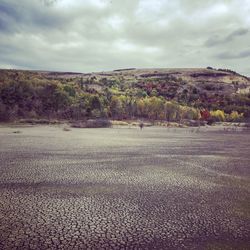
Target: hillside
<point>171,94</point>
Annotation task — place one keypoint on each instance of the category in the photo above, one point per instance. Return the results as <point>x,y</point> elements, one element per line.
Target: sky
<point>99,35</point>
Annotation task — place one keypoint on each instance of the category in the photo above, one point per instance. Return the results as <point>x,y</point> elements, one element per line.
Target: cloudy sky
<point>97,35</point>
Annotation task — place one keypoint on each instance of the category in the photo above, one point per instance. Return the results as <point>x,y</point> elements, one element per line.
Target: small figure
<point>141,125</point>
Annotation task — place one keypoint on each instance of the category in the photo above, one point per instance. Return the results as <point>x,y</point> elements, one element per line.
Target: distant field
<point>117,188</point>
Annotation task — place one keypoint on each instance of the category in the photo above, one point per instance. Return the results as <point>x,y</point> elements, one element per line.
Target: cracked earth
<point>123,188</point>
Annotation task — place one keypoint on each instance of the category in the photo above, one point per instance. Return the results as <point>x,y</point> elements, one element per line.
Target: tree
<point>190,113</point>
<point>140,107</point>
<point>116,107</point>
<point>95,102</point>
<point>155,108</point>
<point>171,111</point>
<point>70,90</point>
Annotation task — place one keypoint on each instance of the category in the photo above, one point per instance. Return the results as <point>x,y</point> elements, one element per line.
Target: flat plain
<point>123,188</point>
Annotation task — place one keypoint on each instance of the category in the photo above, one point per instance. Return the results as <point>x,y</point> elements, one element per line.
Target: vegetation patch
<point>45,98</point>
<point>119,123</point>
<point>39,121</point>
<point>98,123</point>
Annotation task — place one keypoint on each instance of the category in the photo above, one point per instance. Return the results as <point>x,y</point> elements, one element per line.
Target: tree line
<point>29,97</point>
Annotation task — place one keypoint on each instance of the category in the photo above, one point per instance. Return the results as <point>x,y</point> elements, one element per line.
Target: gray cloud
<point>215,40</point>
<point>230,55</point>
<point>239,32</point>
<point>95,35</point>
<point>30,16</point>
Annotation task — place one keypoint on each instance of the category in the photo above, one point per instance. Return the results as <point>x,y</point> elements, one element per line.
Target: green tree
<point>116,107</point>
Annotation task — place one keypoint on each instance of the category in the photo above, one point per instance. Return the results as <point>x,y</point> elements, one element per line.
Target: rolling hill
<point>124,93</point>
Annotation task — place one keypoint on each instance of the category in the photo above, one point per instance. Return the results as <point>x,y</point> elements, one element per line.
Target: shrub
<point>205,115</point>
<point>234,116</point>
<point>218,115</point>
<point>99,123</point>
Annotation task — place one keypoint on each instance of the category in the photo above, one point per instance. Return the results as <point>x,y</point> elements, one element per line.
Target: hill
<point>166,94</point>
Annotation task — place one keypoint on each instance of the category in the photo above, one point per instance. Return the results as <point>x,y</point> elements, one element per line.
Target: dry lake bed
<point>122,188</point>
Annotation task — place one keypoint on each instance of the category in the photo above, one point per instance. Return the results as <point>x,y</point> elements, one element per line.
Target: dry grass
<point>119,123</point>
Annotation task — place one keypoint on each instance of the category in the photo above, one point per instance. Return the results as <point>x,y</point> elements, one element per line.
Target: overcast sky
<point>97,35</point>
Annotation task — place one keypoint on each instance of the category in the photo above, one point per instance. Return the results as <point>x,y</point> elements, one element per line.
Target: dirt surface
<point>123,188</point>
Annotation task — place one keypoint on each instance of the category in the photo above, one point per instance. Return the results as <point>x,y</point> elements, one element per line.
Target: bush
<point>98,123</point>
<point>234,116</point>
<point>218,115</point>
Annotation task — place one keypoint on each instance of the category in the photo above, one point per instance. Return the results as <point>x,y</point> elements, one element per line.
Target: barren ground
<point>124,188</point>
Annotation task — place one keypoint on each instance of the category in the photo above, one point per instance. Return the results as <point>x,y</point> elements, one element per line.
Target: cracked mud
<point>124,188</point>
